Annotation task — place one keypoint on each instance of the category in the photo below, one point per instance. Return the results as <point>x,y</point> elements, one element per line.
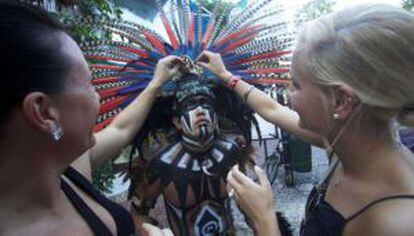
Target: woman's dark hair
<point>31,58</point>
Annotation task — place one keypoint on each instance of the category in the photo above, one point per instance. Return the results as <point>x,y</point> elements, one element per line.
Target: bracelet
<point>247,93</point>
<point>232,82</point>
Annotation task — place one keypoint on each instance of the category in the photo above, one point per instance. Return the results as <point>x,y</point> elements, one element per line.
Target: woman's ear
<point>177,123</point>
<point>40,111</point>
<point>344,102</point>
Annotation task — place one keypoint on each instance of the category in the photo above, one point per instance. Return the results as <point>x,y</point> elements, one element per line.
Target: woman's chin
<point>304,126</point>
<point>301,124</point>
<point>92,141</point>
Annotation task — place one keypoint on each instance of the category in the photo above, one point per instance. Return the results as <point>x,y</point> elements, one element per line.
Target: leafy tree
<point>408,4</point>
<point>210,4</point>
<point>104,8</point>
<point>103,177</point>
<point>316,8</point>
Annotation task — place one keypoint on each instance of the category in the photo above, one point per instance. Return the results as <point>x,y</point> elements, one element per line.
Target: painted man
<point>191,172</point>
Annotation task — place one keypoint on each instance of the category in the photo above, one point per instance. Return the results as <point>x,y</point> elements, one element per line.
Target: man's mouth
<point>202,122</point>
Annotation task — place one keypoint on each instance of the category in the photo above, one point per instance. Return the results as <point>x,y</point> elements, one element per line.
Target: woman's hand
<point>214,63</point>
<point>151,230</point>
<point>166,68</point>
<point>256,199</point>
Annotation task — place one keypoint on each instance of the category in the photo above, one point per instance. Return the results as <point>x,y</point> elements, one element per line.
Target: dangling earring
<point>335,116</point>
<point>56,132</point>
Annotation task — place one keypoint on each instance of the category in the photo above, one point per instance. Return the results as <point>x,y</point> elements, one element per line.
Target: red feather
<point>110,105</point>
<point>93,57</point>
<point>155,42</point>
<point>170,33</point>
<point>267,55</point>
<point>105,80</point>
<point>106,67</point>
<point>266,81</point>
<point>267,71</point>
<point>237,44</point>
<point>191,29</point>
<point>207,34</point>
<point>104,93</point>
<point>136,51</point>
<point>239,34</point>
<point>101,125</point>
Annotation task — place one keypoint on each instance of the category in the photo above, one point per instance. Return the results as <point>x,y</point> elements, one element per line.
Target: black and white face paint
<point>198,123</point>
<point>198,120</point>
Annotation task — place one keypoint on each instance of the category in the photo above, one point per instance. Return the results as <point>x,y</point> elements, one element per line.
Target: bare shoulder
<point>391,217</point>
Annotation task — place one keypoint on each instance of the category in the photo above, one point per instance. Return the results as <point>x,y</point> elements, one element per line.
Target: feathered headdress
<point>252,45</point>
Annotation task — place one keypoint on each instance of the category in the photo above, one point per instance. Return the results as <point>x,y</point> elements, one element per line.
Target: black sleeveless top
<point>321,218</point>
<point>123,220</point>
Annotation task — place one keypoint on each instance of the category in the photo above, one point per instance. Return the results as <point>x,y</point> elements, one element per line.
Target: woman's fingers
<point>202,64</point>
<point>204,56</point>
<point>152,230</point>
<point>173,61</point>
<point>234,184</point>
<point>167,232</point>
<point>240,177</point>
<point>263,180</point>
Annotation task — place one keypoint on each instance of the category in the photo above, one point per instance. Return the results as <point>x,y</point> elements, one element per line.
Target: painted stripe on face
<point>185,125</point>
<point>203,134</point>
<point>189,118</point>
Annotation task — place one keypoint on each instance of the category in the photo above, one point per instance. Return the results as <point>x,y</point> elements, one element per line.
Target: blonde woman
<point>352,77</point>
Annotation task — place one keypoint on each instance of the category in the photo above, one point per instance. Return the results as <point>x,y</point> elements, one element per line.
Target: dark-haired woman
<point>49,108</point>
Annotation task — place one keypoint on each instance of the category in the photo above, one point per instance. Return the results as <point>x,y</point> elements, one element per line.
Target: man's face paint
<point>198,118</point>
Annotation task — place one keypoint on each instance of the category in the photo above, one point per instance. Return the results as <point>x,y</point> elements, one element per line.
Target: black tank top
<point>123,220</point>
<point>321,218</point>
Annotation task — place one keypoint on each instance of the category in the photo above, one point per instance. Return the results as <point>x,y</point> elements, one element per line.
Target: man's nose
<point>200,111</point>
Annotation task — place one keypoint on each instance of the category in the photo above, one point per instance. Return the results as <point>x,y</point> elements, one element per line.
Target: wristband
<point>247,93</point>
<point>232,82</point>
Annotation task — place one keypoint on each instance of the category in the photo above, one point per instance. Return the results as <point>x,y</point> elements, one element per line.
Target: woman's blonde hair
<point>369,47</point>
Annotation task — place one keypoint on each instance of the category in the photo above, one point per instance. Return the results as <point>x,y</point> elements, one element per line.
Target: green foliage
<point>408,4</point>
<point>103,8</point>
<point>316,8</point>
<point>210,4</point>
<point>103,177</point>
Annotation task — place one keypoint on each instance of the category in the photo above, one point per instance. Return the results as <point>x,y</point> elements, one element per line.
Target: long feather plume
<point>255,44</point>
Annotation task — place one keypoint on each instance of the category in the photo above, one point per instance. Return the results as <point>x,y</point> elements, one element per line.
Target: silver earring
<point>335,116</point>
<point>56,132</point>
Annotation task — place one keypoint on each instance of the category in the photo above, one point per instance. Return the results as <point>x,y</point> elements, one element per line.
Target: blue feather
<point>133,88</point>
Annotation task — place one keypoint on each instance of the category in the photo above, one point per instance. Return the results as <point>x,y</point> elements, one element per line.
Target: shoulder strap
<point>96,224</point>
<point>334,163</point>
<point>80,181</point>
<point>378,201</point>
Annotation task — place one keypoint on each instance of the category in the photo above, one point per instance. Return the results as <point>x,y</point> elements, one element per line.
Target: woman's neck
<point>27,179</point>
<point>360,148</point>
